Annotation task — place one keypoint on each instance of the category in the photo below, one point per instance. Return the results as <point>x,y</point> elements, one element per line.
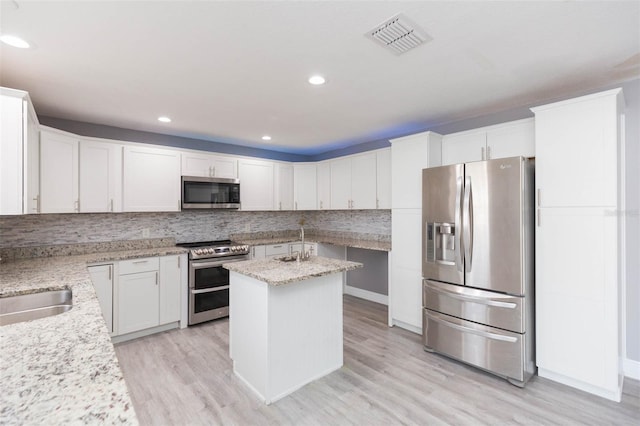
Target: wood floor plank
<point>185,377</point>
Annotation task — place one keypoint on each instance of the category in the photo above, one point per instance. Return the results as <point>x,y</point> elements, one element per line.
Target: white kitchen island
<point>285,322</point>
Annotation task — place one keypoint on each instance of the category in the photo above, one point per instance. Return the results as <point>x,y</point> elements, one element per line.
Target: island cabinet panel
<point>285,336</point>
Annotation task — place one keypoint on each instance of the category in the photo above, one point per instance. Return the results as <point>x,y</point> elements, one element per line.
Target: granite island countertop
<point>276,272</point>
<point>63,369</point>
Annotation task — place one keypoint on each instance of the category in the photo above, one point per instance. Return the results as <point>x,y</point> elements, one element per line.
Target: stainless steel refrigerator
<point>478,265</point>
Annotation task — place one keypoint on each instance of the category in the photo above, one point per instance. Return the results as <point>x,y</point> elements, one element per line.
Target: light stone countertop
<point>63,369</point>
<point>276,272</point>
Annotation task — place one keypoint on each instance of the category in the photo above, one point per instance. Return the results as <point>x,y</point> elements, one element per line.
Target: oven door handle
<point>210,290</point>
<point>199,264</point>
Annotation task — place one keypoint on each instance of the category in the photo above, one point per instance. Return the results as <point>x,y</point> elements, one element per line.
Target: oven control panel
<point>219,251</point>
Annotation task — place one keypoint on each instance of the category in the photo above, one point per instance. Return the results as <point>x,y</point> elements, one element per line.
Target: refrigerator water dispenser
<point>440,243</point>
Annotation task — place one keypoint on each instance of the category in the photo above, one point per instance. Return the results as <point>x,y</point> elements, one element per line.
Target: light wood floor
<point>185,377</point>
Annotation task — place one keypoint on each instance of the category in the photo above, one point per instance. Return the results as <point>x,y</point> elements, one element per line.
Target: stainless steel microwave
<point>210,193</point>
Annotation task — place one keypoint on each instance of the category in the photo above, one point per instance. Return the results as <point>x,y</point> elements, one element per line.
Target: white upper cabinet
<point>256,184</point>
<point>363,181</point>
<point>19,154</point>
<point>576,155</point>
<point>305,187</point>
<point>409,155</point>
<point>383,179</point>
<point>340,184</point>
<point>100,177</point>
<point>194,164</point>
<point>283,186</point>
<point>353,182</point>
<point>151,179</point>
<point>515,138</point>
<point>323,175</point>
<point>58,173</point>
<point>464,147</point>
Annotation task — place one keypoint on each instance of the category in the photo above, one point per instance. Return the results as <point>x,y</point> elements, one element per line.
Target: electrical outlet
<point>247,227</point>
<point>145,232</point>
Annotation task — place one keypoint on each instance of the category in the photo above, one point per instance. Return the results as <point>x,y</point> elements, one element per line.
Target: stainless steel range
<point>208,280</point>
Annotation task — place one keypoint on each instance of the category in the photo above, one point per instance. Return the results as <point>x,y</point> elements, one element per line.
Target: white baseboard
<point>409,327</point>
<point>611,394</point>
<point>146,332</point>
<point>631,368</point>
<point>367,295</point>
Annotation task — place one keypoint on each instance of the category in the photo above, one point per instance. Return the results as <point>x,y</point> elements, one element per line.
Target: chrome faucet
<point>303,254</point>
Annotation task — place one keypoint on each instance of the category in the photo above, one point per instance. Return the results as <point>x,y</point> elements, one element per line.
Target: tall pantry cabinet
<point>19,154</point>
<point>578,242</point>
<point>409,155</point>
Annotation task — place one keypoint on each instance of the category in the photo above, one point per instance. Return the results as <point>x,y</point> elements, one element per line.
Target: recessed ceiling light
<point>14,41</point>
<point>164,119</point>
<point>266,138</point>
<point>317,80</point>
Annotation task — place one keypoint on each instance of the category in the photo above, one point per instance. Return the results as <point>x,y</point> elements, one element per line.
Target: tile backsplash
<point>52,229</point>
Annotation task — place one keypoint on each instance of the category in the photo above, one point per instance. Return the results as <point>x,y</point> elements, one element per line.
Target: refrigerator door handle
<point>458,225</point>
<point>464,329</point>
<point>467,224</point>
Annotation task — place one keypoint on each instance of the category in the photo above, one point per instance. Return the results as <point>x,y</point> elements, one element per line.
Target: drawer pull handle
<point>464,329</point>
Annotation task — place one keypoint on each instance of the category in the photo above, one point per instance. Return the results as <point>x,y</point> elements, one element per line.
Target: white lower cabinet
<point>276,250</point>
<point>149,293</point>
<point>578,287</point>
<point>271,251</point>
<point>258,252</point>
<point>138,300</point>
<point>170,289</point>
<point>102,279</point>
<point>405,283</point>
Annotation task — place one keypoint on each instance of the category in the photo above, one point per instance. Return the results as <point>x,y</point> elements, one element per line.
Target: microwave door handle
<point>467,224</point>
<point>458,225</point>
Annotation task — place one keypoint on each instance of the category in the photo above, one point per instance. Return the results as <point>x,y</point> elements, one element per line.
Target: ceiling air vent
<point>398,34</point>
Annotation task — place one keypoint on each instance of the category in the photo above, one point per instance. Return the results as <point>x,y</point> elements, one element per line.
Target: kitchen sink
<point>26,307</point>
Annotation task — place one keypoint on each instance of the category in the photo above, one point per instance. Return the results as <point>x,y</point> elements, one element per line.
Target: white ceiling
<point>234,71</point>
